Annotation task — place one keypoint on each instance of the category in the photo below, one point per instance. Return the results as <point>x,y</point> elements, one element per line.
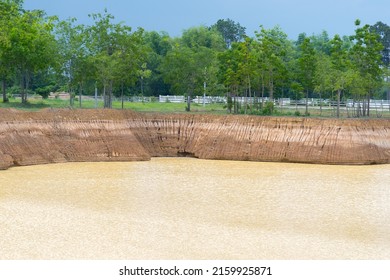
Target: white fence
<point>221,99</point>
<point>171,98</point>
<point>376,104</point>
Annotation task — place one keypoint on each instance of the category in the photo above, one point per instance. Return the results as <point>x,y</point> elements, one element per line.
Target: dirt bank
<point>51,136</point>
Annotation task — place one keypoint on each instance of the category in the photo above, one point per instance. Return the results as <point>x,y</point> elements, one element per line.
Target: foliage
<point>306,72</point>
<point>366,59</point>
<point>44,54</point>
<point>273,48</point>
<point>231,31</point>
<point>192,61</point>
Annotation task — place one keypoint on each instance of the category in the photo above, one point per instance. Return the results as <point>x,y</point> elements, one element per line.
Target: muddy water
<point>195,209</point>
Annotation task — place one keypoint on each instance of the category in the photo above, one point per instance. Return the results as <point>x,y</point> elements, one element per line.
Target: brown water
<point>195,209</point>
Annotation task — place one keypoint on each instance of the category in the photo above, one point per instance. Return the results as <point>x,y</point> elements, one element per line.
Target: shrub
<point>268,108</point>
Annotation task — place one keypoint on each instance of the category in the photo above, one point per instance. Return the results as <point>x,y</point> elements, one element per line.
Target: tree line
<point>42,54</point>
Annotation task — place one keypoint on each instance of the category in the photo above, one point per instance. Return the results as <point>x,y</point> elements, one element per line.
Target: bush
<point>11,91</point>
<point>153,99</point>
<point>268,109</point>
<point>45,91</point>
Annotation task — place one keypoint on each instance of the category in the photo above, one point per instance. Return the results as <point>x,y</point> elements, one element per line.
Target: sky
<point>175,16</point>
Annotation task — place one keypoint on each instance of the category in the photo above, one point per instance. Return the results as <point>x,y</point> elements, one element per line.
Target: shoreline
<point>88,135</point>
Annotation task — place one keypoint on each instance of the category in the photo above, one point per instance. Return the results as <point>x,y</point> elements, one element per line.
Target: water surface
<point>181,208</point>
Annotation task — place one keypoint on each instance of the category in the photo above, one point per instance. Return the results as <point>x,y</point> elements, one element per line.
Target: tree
<point>339,68</point>
<point>321,42</point>
<point>73,55</point>
<point>246,67</point>
<point>115,53</point>
<point>33,46</point>
<point>131,56</point>
<point>230,31</point>
<point>306,62</point>
<point>383,30</point>
<point>273,49</point>
<point>366,57</point>
<point>184,66</point>
<point>143,73</point>
<point>323,76</point>
<point>9,11</point>
<point>159,45</point>
<point>229,75</point>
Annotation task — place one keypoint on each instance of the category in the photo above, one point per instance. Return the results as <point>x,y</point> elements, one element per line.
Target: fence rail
<point>282,102</point>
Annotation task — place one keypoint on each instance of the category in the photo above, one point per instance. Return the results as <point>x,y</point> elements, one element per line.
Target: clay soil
<point>50,136</point>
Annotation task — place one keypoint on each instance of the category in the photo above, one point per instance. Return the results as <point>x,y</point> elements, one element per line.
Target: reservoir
<point>184,208</point>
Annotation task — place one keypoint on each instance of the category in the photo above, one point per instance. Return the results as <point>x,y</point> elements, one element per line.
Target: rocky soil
<point>51,136</point>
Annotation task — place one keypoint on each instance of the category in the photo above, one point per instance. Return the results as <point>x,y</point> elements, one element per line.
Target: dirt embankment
<point>51,136</point>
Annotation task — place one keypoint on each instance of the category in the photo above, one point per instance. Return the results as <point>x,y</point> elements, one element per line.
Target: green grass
<point>38,104</point>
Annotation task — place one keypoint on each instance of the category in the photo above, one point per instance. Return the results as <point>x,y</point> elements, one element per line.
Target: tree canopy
<point>41,53</point>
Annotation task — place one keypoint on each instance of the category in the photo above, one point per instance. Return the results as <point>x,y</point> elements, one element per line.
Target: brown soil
<point>50,136</point>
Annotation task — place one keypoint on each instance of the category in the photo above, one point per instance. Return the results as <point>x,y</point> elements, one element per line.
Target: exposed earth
<point>52,136</point>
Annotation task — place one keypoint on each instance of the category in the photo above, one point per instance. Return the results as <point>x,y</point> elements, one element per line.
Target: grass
<point>38,104</point>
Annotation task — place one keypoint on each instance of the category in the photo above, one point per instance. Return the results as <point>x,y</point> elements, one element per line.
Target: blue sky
<point>174,16</point>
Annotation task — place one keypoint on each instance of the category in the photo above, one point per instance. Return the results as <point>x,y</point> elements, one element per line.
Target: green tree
<point>26,44</point>
<point>383,30</point>
<point>184,66</point>
<point>339,59</point>
<point>159,45</point>
<point>231,31</point>
<point>9,11</point>
<point>115,53</point>
<point>131,57</point>
<point>229,62</point>
<point>321,42</point>
<point>306,62</point>
<point>366,57</point>
<point>273,49</point>
<point>73,55</point>
<point>323,76</point>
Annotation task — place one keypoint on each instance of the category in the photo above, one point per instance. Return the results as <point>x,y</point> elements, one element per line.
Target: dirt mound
<point>54,135</point>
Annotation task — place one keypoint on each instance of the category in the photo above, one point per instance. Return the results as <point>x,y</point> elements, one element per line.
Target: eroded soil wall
<point>50,136</point>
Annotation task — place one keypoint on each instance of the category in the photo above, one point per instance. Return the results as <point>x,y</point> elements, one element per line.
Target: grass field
<point>37,104</point>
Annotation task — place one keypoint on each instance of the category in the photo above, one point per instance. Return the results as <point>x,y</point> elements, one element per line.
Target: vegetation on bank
<point>42,54</point>
<point>35,104</point>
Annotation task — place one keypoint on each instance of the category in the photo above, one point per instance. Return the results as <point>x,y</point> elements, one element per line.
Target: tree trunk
<point>338,102</point>
<point>245,101</point>
<point>122,96</point>
<point>71,98</point>
<point>80,93</point>
<point>250,93</point>
<point>96,94</point>
<point>271,86</point>
<point>320,104</point>
<point>307,103</point>
<point>4,85</point>
<point>110,95</point>
<point>188,108</point>
<point>262,91</point>
<point>104,96</point>
<point>229,102</point>
<point>23,88</point>
<point>388,94</point>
